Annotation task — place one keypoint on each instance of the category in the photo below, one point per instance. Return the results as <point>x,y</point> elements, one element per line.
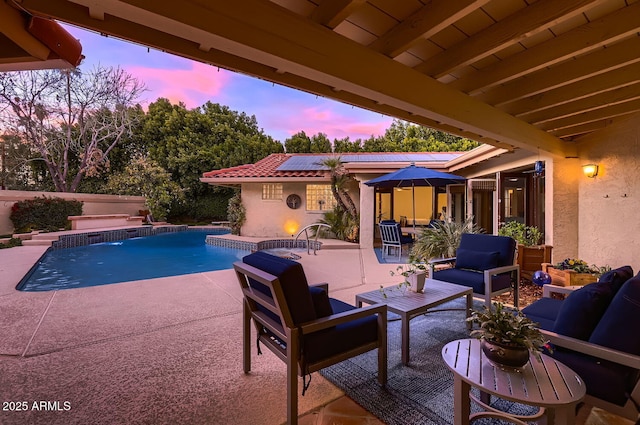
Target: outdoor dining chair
<point>301,325</point>
<point>392,237</point>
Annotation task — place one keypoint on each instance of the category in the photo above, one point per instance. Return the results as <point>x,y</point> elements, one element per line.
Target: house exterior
<point>589,218</point>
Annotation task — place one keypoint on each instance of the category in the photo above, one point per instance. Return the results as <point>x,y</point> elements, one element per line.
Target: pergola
<point>534,75</point>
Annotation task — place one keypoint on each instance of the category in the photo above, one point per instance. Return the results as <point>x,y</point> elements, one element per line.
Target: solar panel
<point>313,162</point>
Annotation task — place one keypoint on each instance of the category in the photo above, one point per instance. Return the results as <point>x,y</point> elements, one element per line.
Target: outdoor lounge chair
<point>300,323</point>
<point>594,331</point>
<point>484,263</point>
<point>392,237</point>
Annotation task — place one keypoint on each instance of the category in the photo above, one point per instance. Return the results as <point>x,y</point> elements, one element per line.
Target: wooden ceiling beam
<point>591,103</point>
<point>574,92</point>
<point>331,13</point>
<point>614,27</point>
<point>528,21</point>
<point>582,129</point>
<point>427,21</point>
<point>602,61</point>
<point>591,116</point>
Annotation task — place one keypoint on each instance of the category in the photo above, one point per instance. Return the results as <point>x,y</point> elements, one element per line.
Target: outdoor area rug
<point>422,392</point>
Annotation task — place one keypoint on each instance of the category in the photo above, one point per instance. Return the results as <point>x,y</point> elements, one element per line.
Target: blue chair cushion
<point>476,260</point>
<point>292,279</point>
<point>582,309</point>
<point>472,279</point>
<point>605,380</point>
<point>504,245</point>
<point>329,342</point>
<point>619,323</point>
<point>321,303</point>
<point>544,312</point>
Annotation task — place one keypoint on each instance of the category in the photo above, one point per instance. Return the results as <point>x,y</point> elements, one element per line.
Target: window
<point>320,197</point>
<point>272,191</point>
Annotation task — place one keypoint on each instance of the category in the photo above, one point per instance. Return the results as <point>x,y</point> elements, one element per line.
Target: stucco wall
<point>609,218</point>
<point>562,182</point>
<point>92,204</point>
<point>273,218</point>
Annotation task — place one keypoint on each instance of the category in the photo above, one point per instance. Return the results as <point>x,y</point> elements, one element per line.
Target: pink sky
<point>280,111</point>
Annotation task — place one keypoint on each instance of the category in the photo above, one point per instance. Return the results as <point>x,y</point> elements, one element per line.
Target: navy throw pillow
<point>321,302</point>
<point>476,260</point>
<point>582,309</point>
<point>293,281</point>
<point>617,277</point>
<point>619,324</point>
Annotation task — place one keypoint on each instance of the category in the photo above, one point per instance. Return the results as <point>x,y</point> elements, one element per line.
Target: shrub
<point>525,235</point>
<point>11,243</point>
<point>49,214</point>
<point>236,213</point>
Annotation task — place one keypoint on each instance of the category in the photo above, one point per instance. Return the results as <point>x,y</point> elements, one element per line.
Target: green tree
<point>320,143</point>
<point>71,119</point>
<point>144,177</point>
<point>346,145</point>
<point>298,143</point>
<point>188,143</point>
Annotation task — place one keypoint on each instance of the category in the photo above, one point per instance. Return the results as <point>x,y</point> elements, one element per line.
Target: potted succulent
<point>573,271</point>
<point>507,336</point>
<point>531,255</point>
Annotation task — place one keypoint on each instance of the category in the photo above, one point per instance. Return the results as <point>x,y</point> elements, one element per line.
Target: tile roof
<point>266,167</point>
<point>282,165</point>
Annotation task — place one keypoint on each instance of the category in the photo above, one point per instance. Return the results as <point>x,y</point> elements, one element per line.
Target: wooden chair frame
<point>284,339</point>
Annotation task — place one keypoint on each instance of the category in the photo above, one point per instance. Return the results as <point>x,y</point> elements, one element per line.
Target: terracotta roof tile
<point>266,167</point>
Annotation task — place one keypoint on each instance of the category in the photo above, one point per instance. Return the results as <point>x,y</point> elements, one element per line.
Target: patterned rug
<point>422,392</point>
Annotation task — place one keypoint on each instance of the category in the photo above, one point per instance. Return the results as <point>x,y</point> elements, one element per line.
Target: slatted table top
<point>435,293</point>
<point>545,383</point>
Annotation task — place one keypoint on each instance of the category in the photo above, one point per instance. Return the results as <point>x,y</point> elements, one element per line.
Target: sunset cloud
<point>281,111</point>
<point>193,86</point>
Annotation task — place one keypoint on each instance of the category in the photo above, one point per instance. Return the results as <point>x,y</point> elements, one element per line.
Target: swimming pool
<point>166,254</point>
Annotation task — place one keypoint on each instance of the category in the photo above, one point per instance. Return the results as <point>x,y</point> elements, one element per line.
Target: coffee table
<point>546,383</point>
<point>410,304</point>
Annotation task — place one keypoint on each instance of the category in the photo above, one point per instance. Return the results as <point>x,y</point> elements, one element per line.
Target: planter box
<point>568,277</point>
<point>531,258</point>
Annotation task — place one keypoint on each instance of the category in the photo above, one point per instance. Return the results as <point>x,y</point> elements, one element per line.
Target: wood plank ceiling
<point>525,74</point>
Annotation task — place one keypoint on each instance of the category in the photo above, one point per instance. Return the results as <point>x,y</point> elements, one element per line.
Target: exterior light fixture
<point>590,170</point>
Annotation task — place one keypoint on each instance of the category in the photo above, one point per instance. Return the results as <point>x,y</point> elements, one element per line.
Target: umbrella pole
<point>413,198</point>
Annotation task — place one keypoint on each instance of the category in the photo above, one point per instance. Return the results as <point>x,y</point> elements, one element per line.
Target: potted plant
<point>414,274</point>
<point>573,271</point>
<point>531,255</point>
<point>507,336</point>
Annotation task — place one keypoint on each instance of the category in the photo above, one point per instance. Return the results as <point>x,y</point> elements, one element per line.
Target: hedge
<point>48,214</point>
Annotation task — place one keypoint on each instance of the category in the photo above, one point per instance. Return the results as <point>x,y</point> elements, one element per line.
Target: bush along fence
<point>48,214</point>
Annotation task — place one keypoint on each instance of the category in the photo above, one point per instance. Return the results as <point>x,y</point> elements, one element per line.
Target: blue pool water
<point>167,254</point>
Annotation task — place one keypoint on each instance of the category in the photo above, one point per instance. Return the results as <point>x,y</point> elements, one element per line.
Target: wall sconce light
<point>291,227</point>
<point>590,170</point>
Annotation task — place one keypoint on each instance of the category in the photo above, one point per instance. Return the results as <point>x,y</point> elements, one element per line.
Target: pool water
<point>167,254</point>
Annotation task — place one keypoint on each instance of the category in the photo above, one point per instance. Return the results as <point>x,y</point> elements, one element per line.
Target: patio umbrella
<point>413,176</point>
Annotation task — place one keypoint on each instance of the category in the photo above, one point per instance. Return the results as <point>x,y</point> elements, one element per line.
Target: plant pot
<point>568,277</point>
<point>416,281</point>
<point>531,258</point>
<point>503,355</point>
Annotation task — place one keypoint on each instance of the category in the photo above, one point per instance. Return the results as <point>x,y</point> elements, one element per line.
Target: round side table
<point>546,383</point>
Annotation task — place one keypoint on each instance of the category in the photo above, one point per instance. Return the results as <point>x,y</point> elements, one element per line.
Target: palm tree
<point>339,179</point>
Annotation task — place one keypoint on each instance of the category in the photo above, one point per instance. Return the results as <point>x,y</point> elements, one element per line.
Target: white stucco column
<point>367,203</point>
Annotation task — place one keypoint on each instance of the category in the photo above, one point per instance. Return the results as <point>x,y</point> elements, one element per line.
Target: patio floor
<point>164,350</point>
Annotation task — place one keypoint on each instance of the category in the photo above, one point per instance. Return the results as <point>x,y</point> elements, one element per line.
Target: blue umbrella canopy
<point>415,176</point>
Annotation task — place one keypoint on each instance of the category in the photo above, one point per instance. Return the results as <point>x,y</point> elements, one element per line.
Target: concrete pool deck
<point>164,350</point>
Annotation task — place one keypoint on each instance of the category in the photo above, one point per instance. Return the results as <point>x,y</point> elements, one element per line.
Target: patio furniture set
<point>309,331</point>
